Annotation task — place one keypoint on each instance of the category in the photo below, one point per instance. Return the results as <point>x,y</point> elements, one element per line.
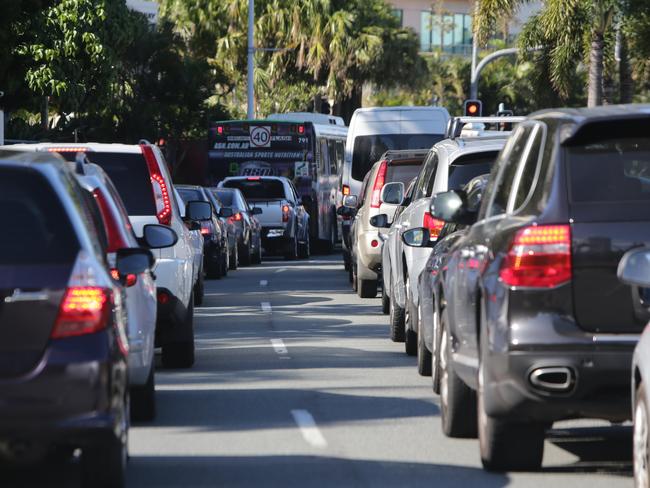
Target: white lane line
<point>266,307</point>
<point>308,428</point>
<point>263,282</point>
<point>279,347</point>
<point>281,270</point>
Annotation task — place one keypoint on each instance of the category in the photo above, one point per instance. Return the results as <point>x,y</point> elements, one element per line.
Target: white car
<point>450,164</point>
<point>140,174</point>
<point>197,244</point>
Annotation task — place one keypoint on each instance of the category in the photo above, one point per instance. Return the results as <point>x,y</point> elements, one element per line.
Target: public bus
<point>307,148</point>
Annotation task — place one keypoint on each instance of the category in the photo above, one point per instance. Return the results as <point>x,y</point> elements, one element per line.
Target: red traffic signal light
<point>473,108</point>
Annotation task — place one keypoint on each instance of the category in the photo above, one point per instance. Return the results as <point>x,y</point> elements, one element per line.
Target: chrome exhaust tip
<point>559,379</point>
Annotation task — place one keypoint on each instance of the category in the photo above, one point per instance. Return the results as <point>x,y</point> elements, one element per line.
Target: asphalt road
<point>297,384</point>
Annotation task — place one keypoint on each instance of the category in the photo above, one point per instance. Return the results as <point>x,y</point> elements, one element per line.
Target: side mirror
<point>451,206</point>
<point>350,201</point>
<point>380,221</point>
<point>198,210</point>
<point>393,193</point>
<point>133,260</point>
<point>226,212</point>
<point>256,210</point>
<point>307,201</point>
<point>418,237</point>
<point>634,268</point>
<point>156,236</point>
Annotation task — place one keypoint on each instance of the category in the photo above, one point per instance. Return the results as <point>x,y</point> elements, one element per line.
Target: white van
<point>372,132</point>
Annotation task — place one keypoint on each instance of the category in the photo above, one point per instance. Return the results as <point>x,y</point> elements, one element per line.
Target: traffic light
<point>473,108</point>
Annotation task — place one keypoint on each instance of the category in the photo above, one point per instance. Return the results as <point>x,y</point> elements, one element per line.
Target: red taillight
<point>285,213</point>
<point>131,279</point>
<point>84,310</point>
<point>380,179</point>
<point>160,191</point>
<point>301,129</point>
<point>434,225</point>
<point>163,297</point>
<point>113,230</point>
<point>253,178</point>
<point>67,149</point>
<point>220,129</point>
<point>236,217</point>
<point>539,257</point>
<point>205,231</point>
<point>346,190</point>
<point>374,243</point>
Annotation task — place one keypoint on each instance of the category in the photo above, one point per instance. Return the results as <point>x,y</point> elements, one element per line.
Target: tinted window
<point>368,149</point>
<point>130,175</point>
<point>427,175</point>
<point>258,189</point>
<point>402,172</point>
<point>615,170</point>
<point>224,196</point>
<point>463,169</point>
<point>529,167</point>
<point>324,157</point>
<point>190,194</point>
<point>35,227</point>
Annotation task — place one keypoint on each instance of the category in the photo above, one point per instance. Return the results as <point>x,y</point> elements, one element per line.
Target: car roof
<point>394,155</point>
<point>455,148</point>
<point>632,110</point>
<point>255,178</point>
<point>189,187</point>
<point>84,146</point>
<point>15,156</point>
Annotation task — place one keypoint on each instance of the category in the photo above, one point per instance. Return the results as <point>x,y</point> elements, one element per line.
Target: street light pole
<point>251,60</point>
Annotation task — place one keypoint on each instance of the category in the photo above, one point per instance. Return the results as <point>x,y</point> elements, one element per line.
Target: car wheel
<point>457,400</point>
<point>181,354</point>
<point>225,263</point>
<point>396,318</point>
<point>435,356</point>
<point>641,439</point>
<point>292,249</point>
<point>354,280</point>
<point>366,288</point>
<point>199,290</point>
<point>346,261</point>
<point>257,257</point>
<point>234,257</point>
<point>214,270</point>
<point>410,335</point>
<point>424,356</point>
<point>385,300</point>
<point>143,400</point>
<point>104,465</point>
<point>245,255</point>
<point>351,274</point>
<point>304,250</point>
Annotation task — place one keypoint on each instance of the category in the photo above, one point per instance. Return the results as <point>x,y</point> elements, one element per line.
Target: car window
<point>333,155</point>
<point>226,197</point>
<point>529,167</point>
<point>507,166</point>
<point>190,194</point>
<point>258,189</point>
<point>35,226</point>
<point>425,180</point>
<point>468,166</point>
<point>402,172</point>
<point>324,157</point>
<point>364,188</point>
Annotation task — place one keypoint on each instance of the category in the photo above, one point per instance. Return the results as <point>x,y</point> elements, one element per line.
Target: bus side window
<point>334,157</point>
<point>324,157</point>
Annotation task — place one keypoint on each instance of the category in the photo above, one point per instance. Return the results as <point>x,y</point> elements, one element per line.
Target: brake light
<point>84,310</point>
<point>375,202</point>
<point>285,213</point>
<point>159,186</point>
<point>253,178</point>
<point>236,217</point>
<point>67,149</point>
<point>346,190</point>
<point>131,279</point>
<point>220,130</point>
<point>113,230</point>
<point>301,129</point>
<point>539,257</point>
<point>434,225</point>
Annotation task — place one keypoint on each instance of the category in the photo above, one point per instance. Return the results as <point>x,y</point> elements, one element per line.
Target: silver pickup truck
<point>284,220</point>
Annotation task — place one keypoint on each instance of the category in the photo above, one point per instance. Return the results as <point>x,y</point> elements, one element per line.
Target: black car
<point>216,258</point>
<point>538,327</point>
<point>63,338</point>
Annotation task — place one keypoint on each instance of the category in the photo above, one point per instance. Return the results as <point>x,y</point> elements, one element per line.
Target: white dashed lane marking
<point>308,428</point>
<point>263,282</point>
<point>266,307</point>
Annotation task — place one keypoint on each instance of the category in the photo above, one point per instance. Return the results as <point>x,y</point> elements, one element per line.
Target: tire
<point>641,439</point>
<point>292,249</point>
<point>346,261</point>
<point>366,288</point>
<point>234,258</point>
<point>351,274</point>
<point>245,256</point>
<point>424,356</point>
<point>199,290</point>
<point>435,358</point>
<point>385,300</point>
<point>180,355</point>
<point>354,280</point>
<point>143,400</point>
<point>410,336</point>
<point>225,263</point>
<point>215,271</point>
<point>457,400</point>
<point>304,250</point>
<point>396,318</point>
<point>257,257</point>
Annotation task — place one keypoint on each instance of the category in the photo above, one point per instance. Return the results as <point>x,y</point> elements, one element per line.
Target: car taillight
<point>206,228</point>
<point>236,217</point>
<point>539,257</point>
<point>131,279</point>
<point>434,225</point>
<point>160,190</point>
<point>84,310</point>
<point>380,179</point>
<point>113,230</point>
<point>285,213</point>
<point>345,190</point>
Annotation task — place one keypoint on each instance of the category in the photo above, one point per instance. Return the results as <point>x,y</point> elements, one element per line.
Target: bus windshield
<point>262,148</point>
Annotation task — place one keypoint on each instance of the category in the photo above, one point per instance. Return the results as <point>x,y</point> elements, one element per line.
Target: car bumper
<point>275,239</point>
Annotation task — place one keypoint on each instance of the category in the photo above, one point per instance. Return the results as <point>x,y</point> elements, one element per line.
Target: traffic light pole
<point>476,72</point>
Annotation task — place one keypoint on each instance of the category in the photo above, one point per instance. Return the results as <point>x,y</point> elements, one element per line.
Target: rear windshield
<point>226,197</point>
<point>463,169</point>
<point>368,149</point>
<point>130,175</point>
<point>402,172</point>
<point>35,227</point>
<point>190,194</point>
<point>258,189</point>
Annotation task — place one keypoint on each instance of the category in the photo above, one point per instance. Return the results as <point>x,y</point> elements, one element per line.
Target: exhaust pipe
<point>558,379</point>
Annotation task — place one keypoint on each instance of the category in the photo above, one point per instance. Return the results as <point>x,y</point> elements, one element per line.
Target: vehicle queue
<point>509,251</point>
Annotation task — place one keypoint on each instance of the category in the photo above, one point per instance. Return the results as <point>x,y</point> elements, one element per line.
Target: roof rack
<point>456,124</point>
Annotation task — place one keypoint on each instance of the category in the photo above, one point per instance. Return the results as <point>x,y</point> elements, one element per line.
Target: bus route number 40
<point>260,136</point>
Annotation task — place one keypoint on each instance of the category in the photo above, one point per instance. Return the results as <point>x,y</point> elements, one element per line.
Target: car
<point>375,130</point>
<point>229,223</point>
<point>282,215</point>
<point>214,231</point>
<point>451,163</point>
<point>634,270</point>
<point>538,327</point>
<point>63,338</point>
<point>139,290</point>
<point>381,193</point>
<point>141,176</point>
<point>431,280</point>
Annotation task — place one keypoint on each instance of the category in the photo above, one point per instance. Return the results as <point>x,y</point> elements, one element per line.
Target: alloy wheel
<point>641,476</point>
